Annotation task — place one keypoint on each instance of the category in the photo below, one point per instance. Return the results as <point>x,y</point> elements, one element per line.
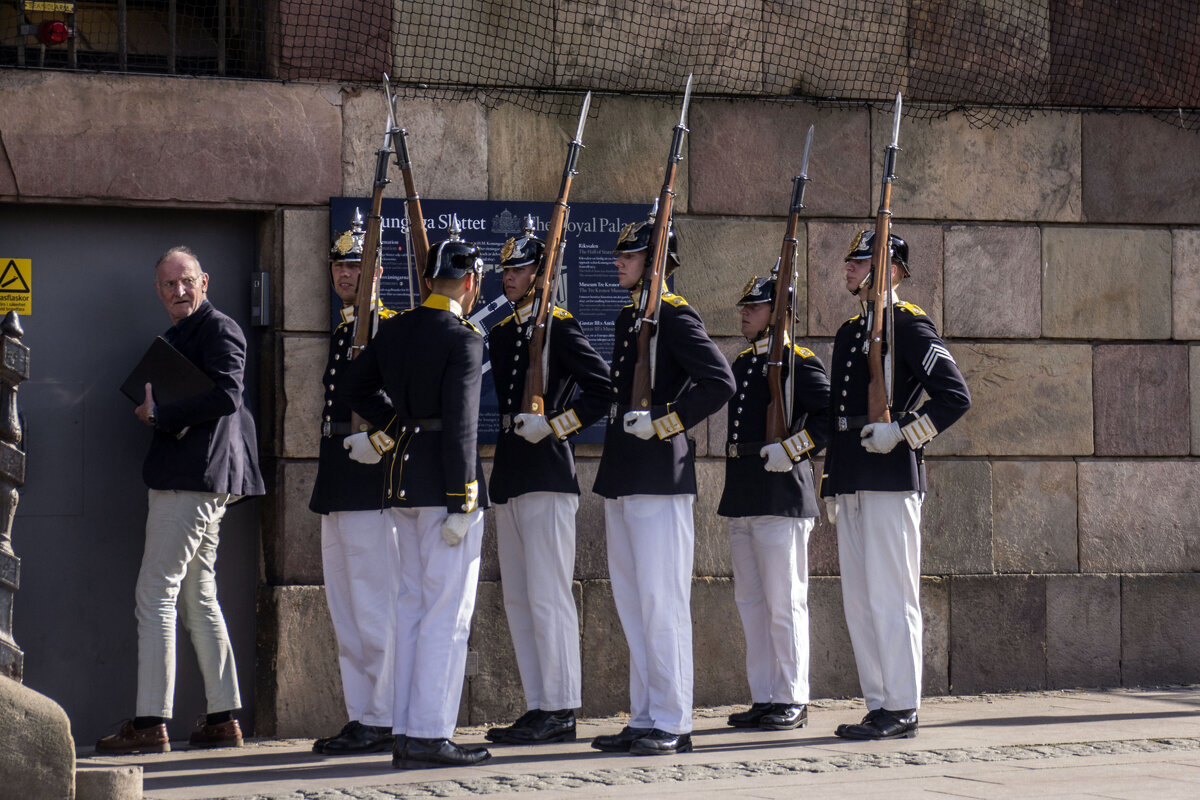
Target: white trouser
<point>434,602</point>
<point>535,535</point>
<point>179,575</point>
<point>770,586</point>
<point>358,554</point>
<point>879,550</point>
<point>650,548</point>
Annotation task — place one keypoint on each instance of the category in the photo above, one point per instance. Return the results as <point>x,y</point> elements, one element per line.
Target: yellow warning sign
<point>15,279</point>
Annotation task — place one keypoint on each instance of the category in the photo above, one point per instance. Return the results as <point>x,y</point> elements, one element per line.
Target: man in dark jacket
<point>772,508</point>
<point>647,476</point>
<point>536,494</point>
<point>358,538</point>
<point>418,384</point>
<point>203,457</point>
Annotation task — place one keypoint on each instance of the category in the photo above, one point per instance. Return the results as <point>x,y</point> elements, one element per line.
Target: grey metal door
<point>80,522</point>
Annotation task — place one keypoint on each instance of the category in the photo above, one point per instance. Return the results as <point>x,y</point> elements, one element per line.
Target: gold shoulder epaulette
<point>504,321</point>
<point>561,313</point>
<point>916,311</point>
<point>673,299</point>
<point>386,313</point>
<point>747,351</point>
<point>470,325</point>
<point>804,352</point>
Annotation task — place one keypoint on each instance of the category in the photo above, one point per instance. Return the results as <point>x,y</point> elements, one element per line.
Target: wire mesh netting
<point>993,59</point>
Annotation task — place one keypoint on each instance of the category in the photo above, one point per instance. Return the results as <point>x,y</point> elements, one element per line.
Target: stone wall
<point>1060,258</point>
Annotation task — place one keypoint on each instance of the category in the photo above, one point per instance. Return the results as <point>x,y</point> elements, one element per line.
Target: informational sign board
<point>16,278</point>
<point>587,285</point>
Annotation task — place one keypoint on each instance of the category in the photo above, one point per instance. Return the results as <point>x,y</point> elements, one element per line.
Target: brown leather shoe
<point>130,740</point>
<point>227,734</point>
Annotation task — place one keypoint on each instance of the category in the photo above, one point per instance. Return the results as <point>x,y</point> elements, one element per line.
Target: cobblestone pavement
<point>1131,744</point>
<point>742,770</point>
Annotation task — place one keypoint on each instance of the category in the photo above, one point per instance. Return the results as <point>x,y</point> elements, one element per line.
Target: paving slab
<point>1121,743</point>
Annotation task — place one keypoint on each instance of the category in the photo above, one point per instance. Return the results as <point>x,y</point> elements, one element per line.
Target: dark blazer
<point>750,490</point>
<point>548,466</point>
<point>418,381</point>
<point>219,450</point>
<point>692,380</point>
<point>922,364</point>
<point>342,483</point>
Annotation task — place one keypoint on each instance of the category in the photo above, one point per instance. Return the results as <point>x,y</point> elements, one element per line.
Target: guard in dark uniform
<point>535,494</point>
<point>772,507</point>
<point>647,477</point>
<point>873,487</point>
<point>417,382</point>
<point>358,538</point>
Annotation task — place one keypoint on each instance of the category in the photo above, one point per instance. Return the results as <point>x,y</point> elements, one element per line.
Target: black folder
<point>172,376</point>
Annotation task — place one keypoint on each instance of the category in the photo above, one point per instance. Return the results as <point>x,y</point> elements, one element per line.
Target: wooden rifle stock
<point>412,200</point>
<point>646,317</point>
<point>533,400</point>
<point>783,311</point>
<point>879,300</point>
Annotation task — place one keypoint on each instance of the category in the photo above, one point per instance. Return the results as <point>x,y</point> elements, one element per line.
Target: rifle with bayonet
<point>646,316</point>
<point>364,304</point>
<point>783,311</point>
<point>879,297</point>
<point>419,238</point>
<point>546,283</point>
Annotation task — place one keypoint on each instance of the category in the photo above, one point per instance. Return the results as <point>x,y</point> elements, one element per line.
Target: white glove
<point>881,437</point>
<point>454,528</point>
<point>532,427</point>
<point>777,458</point>
<point>831,510</point>
<point>361,449</point>
<point>639,424</point>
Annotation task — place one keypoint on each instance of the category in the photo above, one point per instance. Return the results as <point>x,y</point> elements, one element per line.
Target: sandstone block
<point>299,685</point>
<point>830,304</point>
<point>466,53</point>
<point>526,153</point>
<point>591,552</point>
<point>108,783</point>
<point>1142,403</point>
<point>1185,283</point>
<point>1083,630</point>
<point>356,41</point>
<point>1139,171</point>
<point>40,760</point>
<point>768,140</point>
<point>1026,399</point>
<point>605,654</point>
<point>1005,616</point>
<point>822,543</point>
<point>948,169</point>
<point>1086,290</point>
<point>110,150</point>
<point>447,141</point>
<point>292,533</point>
<point>832,671</point>
<point>956,525</point>
<point>1194,374</point>
<point>303,394</point>
<point>653,39</point>
<point>935,644</point>
<point>1012,39</point>
<point>1158,629</point>
<point>719,257</point>
<point>719,647</point>
<point>804,67</point>
<point>1138,516</point>
<point>306,292</point>
<point>993,282</point>
<point>1034,516</point>
<point>495,693</point>
<point>712,557</point>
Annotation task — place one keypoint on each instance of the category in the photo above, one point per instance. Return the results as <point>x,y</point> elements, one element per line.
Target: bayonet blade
<point>807,150</point>
<point>687,98</point>
<point>587,101</point>
<point>896,122</point>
